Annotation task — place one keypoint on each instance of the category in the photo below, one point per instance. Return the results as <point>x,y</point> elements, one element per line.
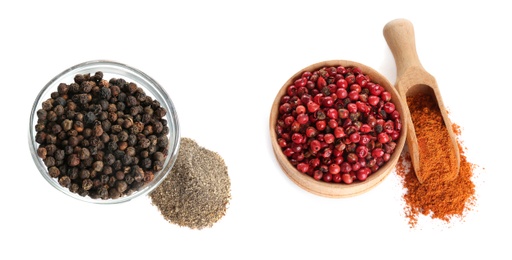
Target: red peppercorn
<point>285,108</point>
<point>334,168</point>
<point>320,125</point>
<point>373,100</point>
<point>329,138</point>
<point>362,151</point>
<point>352,107</point>
<point>328,101</point>
<point>355,87</point>
<point>353,95</point>
<point>345,167</point>
<point>389,107</point>
<point>394,135</point>
<point>341,93</point>
<point>352,158</point>
<point>385,96</point>
<point>303,167</point>
<point>296,147</point>
<point>302,119</point>
<point>377,152</point>
<point>289,120</point>
<point>300,109</point>
<point>343,113</point>
<point>318,175</point>
<point>346,178</point>
<point>339,132</point>
<point>292,90</point>
<point>311,132</point>
<point>315,146</point>
<point>312,106</point>
<point>288,152</point>
<point>355,137</point>
<point>320,83</point>
<point>376,89</point>
<point>361,80</point>
<point>338,159</point>
<point>327,177</point>
<point>332,123</point>
<point>327,152</point>
<point>282,143</point>
<point>301,82</point>
<point>350,78</point>
<point>332,113</point>
<point>304,99</point>
<point>336,178</point>
<point>383,138</point>
<point>362,174</point>
<point>295,127</point>
<point>315,162</point>
<point>297,138</point>
<point>365,128</point>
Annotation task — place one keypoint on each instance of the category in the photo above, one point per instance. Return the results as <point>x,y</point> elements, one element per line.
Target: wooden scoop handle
<point>399,34</point>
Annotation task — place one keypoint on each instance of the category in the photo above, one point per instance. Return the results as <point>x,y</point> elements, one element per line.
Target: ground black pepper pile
<point>102,139</point>
<point>197,191</point>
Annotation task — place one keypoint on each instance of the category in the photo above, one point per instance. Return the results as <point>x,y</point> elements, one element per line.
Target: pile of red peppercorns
<point>336,125</point>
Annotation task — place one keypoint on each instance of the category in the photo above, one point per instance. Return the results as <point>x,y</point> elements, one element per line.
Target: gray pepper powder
<point>197,191</point>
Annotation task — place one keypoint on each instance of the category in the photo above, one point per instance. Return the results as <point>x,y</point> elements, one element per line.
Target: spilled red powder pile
<point>435,197</point>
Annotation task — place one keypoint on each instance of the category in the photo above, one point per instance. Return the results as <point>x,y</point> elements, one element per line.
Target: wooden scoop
<point>412,79</point>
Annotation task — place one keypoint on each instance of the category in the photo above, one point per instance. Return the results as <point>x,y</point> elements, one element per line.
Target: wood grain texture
<point>338,190</point>
<point>412,79</point>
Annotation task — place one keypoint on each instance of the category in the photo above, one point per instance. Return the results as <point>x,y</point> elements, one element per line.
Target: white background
<point>222,62</point>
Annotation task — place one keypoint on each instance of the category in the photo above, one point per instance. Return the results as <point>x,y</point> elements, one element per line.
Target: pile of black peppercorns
<point>102,139</point>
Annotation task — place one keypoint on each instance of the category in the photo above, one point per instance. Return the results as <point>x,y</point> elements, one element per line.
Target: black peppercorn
<point>73,160</point>
<point>87,184</point>
<point>84,174</point>
<point>47,105</point>
<point>49,161</point>
<point>105,93</point>
<point>159,156</point>
<point>152,149</point>
<point>59,155</point>
<point>132,140</point>
<point>51,116</point>
<point>86,86</point>
<point>97,166</point>
<point>157,166</point>
<point>119,175</point>
<point>60,101</point>
<point>160,112</point>
<point>98,76</point>
<point>117,165</point>
<point>114,193</point>
<point>146,163</point>
<point>41,152</point>
<point>73,173</point>
<point>126,160</point>
<point>53,171</point>
<point>64,181</point>
<point>62,88</point>
<point>41,114</point>
<point>74,188</point>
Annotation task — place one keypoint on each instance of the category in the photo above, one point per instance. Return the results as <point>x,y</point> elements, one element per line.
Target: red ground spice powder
<point>435,197</point>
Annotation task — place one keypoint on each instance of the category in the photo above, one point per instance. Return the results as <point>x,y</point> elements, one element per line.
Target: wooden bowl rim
<point>339,190</point>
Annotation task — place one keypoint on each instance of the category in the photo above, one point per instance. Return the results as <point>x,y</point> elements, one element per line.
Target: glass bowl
<point>110,70</point>
<point>331,189</point>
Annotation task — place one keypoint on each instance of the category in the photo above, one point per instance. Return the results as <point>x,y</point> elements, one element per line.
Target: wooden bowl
<point>339,190</point>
